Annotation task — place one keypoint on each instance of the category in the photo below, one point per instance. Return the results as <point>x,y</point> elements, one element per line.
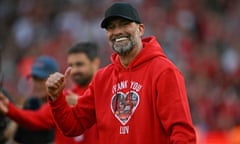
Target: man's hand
<point>4,101</point>
<point>56,83</point>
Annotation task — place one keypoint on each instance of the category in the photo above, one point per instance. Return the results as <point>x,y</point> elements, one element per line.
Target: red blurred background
<point>200,36</point>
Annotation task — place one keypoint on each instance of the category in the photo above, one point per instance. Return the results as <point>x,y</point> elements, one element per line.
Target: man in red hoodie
<point>83,58</point>
<point>139,98</point>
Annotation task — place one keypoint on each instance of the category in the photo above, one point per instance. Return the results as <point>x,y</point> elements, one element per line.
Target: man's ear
<point>96,63</point>
<point>141,29</point>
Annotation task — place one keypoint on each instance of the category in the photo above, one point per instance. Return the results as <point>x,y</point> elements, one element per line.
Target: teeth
<point>120,39</point>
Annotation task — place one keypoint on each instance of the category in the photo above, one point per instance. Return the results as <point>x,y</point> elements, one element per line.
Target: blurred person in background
<point>139,98</point>
<point>41,68</point>
<point>83,58</point>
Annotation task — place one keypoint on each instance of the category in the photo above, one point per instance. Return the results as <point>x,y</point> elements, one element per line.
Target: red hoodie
<point>145,103</point>
<point>43,119</point>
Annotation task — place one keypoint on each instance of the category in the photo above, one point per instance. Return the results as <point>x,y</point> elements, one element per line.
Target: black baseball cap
<point>122,10</point>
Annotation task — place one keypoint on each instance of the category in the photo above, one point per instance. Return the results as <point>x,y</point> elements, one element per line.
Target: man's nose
<point>117,30</point>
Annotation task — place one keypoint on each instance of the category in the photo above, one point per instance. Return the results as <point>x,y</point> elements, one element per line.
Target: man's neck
<point>128,58</point>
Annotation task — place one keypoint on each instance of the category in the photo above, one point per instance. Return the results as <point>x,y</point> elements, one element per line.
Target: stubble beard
<point>83,81</point>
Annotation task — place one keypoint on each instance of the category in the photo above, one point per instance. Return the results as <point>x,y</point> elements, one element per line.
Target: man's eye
<point>75,64</point>
<point>110,27</point>
<point>79,64</point>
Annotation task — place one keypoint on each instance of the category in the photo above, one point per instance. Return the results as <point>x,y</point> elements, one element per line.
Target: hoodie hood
<point>151,49</point>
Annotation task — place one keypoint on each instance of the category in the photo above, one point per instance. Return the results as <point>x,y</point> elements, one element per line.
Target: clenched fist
<point>56,83</point>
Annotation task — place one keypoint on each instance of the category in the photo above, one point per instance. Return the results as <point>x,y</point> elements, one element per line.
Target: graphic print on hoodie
<point>123,105</point>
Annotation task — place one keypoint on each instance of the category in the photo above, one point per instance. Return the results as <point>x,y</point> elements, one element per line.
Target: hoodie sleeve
<point>173,107</point>
<point>32,119</point>
<point>73,121</point>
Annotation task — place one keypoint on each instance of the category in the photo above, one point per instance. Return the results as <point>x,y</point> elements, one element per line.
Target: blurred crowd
<point>200,36</point>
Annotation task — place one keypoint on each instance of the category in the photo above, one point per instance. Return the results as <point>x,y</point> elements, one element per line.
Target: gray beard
<point>123,50</point>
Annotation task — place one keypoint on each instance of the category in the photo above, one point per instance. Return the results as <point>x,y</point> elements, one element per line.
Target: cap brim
<point>39,74</point>
<point>107,20</point>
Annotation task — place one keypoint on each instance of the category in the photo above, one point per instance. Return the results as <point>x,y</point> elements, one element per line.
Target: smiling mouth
<point>120,39</point>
